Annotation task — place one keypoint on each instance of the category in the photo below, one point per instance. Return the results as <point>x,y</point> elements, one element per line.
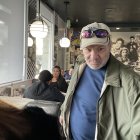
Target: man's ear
<point>110,44</point>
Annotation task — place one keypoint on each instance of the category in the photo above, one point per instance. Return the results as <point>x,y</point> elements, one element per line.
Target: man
<point>103,97</point>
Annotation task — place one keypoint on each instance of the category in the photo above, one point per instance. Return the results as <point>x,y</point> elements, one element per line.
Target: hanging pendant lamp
<point>65,42</point>
<point>30,42</point>
<point>39,28</point>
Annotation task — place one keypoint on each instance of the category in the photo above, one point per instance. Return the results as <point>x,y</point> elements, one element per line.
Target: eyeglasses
<point>100,33</point>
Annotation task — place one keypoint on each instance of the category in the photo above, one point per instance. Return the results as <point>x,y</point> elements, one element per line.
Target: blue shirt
<point>83,110</point>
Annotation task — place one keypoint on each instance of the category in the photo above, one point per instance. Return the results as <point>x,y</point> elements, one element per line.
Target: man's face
<point>96,56</point>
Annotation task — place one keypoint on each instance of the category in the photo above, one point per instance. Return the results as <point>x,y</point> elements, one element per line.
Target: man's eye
<point>86,49</point>
<point>101,49</point>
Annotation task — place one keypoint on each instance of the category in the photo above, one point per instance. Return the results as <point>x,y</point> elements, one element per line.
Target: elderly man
<point>103,98</point>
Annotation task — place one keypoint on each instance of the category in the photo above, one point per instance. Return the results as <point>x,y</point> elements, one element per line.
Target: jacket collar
<point>112,76</point>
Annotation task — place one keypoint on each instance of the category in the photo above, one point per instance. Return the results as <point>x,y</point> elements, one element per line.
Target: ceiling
<point>115,13</point>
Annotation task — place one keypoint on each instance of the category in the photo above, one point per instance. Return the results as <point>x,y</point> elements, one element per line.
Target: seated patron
<point>58,81</point>
<point>68,73</point>
<point>42,90</point>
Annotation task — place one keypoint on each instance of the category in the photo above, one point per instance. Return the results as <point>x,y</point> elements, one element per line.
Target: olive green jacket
<point>118,111</point>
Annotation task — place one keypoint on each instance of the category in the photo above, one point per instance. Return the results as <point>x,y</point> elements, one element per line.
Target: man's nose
<point>94,54</point>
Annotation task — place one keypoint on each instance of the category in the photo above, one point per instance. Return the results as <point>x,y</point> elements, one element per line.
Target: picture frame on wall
<point>126,48</point>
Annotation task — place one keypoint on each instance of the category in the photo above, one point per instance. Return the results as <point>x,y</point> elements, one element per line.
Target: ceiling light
<point>39,28</point>
<point>30,42</point>
<point>65,42</point>
<point>77,20</point>
<point>117,28</point>
<point>108,10</point>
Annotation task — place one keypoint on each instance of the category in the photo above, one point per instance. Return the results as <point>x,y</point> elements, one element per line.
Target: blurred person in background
<point>68,73</point>
<point>58,81</point>
<point>42,90</point>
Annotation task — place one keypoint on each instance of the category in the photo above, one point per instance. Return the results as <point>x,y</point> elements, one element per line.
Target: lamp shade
<point>39,29</point>
<point>30,42</point>
<point>64,42</point>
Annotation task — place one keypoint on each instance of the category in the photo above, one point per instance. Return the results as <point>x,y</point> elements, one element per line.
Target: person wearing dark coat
<point>42,90</point>
<point>58,81</point>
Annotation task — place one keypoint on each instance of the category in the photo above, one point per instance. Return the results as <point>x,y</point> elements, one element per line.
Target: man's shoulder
<point>115,66</point>
<point>128,73</point>
<point>33,87</point>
